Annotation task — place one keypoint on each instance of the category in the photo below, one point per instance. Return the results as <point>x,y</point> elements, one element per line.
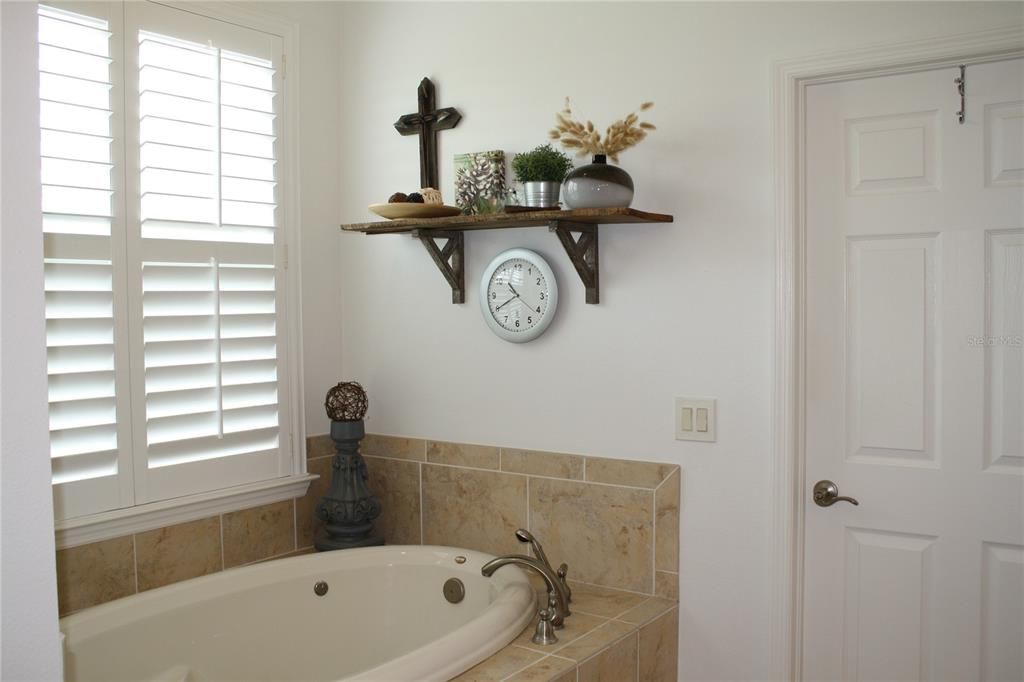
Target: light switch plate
<point>696,419</point>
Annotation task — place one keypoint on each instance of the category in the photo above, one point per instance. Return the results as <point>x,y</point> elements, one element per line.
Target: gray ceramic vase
<point>597,185</point>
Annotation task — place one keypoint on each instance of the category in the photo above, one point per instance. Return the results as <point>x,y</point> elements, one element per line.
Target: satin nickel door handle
<point>826,493</point>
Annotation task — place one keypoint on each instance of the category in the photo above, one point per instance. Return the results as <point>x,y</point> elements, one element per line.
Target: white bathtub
<point>384,617</point>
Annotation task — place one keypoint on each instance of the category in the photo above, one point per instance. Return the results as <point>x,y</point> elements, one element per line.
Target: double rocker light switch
<point>695,419</point>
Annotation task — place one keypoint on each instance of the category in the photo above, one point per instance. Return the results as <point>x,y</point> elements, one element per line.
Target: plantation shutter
<point>205,257</point>
<point>163,262</point>
<point>87,362</point>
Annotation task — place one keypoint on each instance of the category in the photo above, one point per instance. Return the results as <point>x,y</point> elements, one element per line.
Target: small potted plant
<point>541,172</point>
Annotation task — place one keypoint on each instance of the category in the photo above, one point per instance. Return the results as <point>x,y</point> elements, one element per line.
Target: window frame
<point>141,517</point>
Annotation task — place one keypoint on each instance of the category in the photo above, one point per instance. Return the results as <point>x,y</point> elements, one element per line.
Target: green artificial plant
<point>543,164</point>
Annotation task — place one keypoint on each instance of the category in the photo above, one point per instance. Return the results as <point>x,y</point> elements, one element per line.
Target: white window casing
<point>172,330</point>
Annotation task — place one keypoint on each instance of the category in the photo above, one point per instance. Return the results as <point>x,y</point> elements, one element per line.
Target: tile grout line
<point>295,524</point>
<point>515,473</point>
<point>419,490</point>
<point>638,654</point>
<point>220,519</point>
<point>529,516</point>
<point>528,665</point>
<point>135,563</point>
<point>654,539</point>
<point>612,644</point>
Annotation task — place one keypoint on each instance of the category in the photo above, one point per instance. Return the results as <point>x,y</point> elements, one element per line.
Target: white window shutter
<point>85,333</point>
<point>161,217</point>
<point>207,255</point>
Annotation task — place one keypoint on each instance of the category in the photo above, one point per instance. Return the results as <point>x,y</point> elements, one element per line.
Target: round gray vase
<point>598,185</point>
<point>540,194</point>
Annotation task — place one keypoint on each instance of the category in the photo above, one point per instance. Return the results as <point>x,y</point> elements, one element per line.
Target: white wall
<point>29,639</point>
<point>686,309</point>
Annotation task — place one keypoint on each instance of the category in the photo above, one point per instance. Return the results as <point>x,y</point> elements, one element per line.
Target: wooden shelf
<point>450,257</point>
<point>593,216</point>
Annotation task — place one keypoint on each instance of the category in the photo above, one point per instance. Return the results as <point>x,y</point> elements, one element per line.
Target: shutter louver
<point>77,192</point>
<point>209,299</point>
<point>162,282</point>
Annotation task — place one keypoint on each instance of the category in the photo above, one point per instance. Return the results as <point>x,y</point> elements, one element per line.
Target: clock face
<point>518,295</point>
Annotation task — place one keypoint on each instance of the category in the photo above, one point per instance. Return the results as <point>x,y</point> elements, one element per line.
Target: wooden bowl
<point>407,210</point>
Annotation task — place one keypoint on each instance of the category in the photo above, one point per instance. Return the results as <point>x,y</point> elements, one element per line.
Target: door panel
<point>914,287</point>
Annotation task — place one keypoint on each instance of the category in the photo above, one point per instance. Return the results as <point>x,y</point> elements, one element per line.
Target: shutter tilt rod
<point>961,82</point>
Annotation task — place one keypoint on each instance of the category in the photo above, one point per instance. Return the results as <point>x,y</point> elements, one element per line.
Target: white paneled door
<point>914,377</point>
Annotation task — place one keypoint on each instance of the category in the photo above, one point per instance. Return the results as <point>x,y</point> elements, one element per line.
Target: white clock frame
<point>537,261</point>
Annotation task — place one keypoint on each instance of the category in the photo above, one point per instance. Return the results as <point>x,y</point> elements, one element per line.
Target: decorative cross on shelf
<point>425,123</point>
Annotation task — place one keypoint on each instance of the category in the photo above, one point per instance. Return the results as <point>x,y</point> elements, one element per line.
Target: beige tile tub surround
<point>169,555</point>
<point>92,574</point>
<point>467,495</point>
<point>635,641</point>
<point>614,521</point>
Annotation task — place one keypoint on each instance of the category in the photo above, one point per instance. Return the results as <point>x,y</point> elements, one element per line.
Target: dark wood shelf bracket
<point>582,252</point>
<point>450,259</point>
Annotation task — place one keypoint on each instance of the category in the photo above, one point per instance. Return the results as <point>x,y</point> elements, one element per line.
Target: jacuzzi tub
<point>383,617</point>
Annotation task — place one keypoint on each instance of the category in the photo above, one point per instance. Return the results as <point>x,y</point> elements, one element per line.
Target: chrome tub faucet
<point>524,535</point>
<point>553,616</point>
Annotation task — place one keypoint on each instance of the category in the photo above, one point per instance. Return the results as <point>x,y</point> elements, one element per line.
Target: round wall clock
<point>518,295</point>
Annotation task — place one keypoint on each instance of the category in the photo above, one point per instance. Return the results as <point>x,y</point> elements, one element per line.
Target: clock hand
<point>513,290</point>
<point>504,304</point>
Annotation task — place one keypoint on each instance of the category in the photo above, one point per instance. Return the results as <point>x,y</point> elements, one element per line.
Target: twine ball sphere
<point>346,402</point>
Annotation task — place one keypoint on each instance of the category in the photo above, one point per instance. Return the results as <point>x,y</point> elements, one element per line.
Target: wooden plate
<point>407,210</point>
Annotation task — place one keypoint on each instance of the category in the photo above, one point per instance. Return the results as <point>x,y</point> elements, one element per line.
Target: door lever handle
<point>826,493</point>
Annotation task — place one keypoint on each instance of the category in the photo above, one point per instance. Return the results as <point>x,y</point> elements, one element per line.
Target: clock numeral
<point>538,281</point>
<point>494,294</point>
<point>529,319</point>
<point>542,295</point>
<point>538,309</point>
<point>517,323</point>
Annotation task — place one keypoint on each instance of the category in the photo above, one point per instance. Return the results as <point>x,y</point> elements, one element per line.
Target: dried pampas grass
<point>586,140</point>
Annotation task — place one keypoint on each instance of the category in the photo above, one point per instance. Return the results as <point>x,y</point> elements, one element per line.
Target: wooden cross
<point>425,123</point>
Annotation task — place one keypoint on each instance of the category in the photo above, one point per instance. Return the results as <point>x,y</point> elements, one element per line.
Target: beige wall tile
<point>615,664</point>
<point>396,484</point>
<point>394,447</point>
<point>554,464</point>
<point>319,446</point>
<point>306,523</point>
<point>576,625</point>
<point>478,510</point>
<point>463,454</point>
<point>603,532</point>
<point>175,553</point>
<point>594,641</point>
<point>95,573</point>
<point>499,666</point>
<point>549,669</point>
<point>666,525</point>
<point>628,472</point>
<point>258,533</point>
<point>659,649</point>
<point>666,585</point>
<point>648,610</point>
<point>602,601</point>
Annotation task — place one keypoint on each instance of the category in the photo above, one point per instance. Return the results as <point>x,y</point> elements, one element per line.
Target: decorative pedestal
<point>349,508</point>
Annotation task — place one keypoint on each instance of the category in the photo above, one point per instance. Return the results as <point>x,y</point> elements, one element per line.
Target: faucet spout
<point>524,535</point>
<point>554,584</point>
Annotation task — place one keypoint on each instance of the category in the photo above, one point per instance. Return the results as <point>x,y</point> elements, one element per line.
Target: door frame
<point>790,80</point>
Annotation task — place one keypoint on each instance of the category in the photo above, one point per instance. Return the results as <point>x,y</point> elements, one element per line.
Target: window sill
<point>120,522</point>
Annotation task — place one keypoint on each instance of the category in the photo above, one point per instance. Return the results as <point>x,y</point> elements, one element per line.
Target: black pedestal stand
<point>349,508</point>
